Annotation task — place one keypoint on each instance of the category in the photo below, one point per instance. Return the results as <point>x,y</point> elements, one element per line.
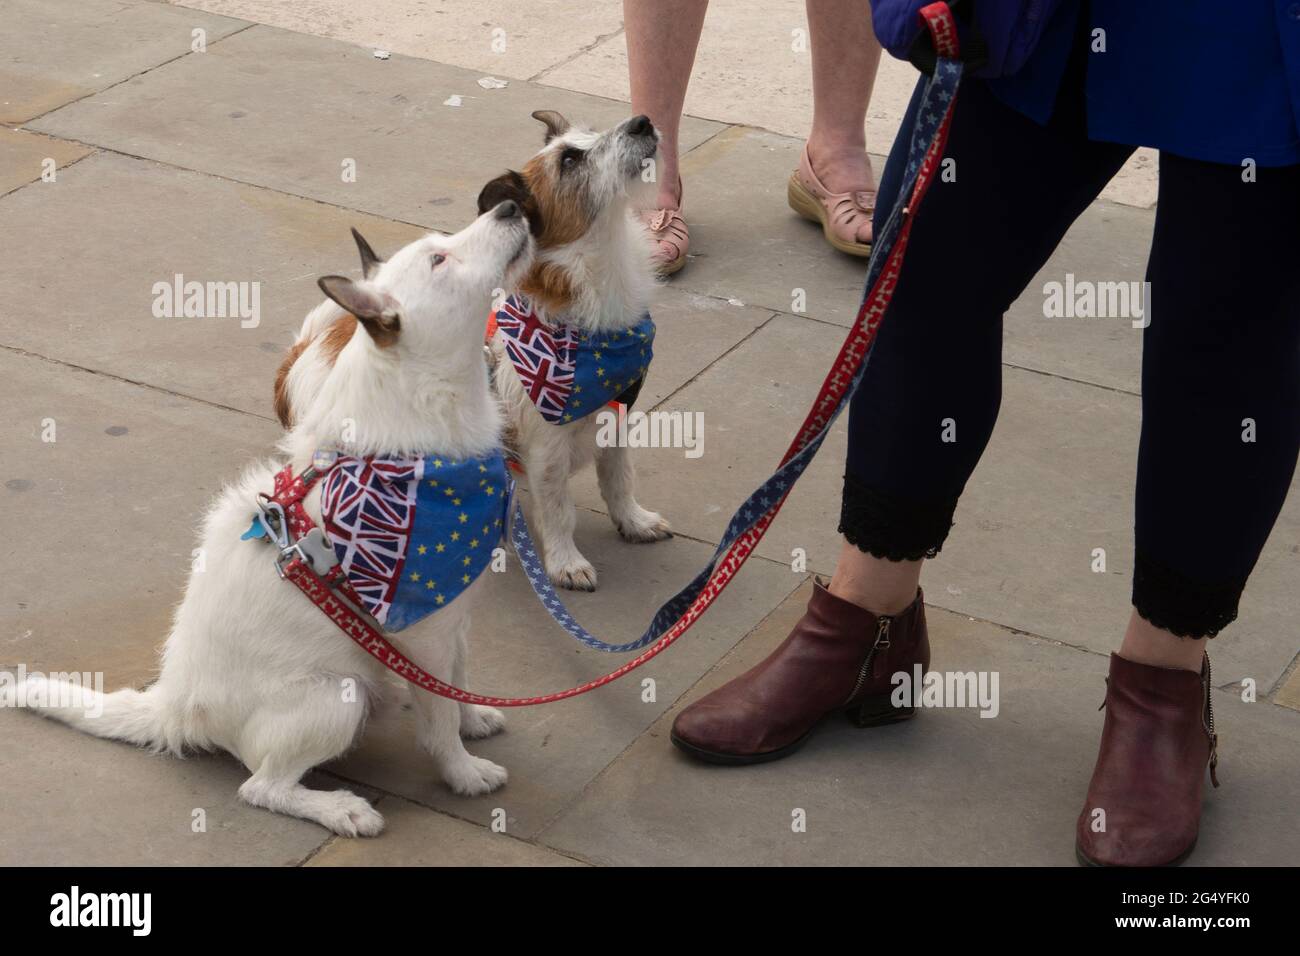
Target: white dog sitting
<point>251,666</point>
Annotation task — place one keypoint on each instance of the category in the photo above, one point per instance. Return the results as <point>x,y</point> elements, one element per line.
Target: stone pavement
<point>225,164</point>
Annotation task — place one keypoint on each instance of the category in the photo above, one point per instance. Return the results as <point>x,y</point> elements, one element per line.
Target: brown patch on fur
<point>282,409</point>
<point>555,217</point>
<point>564,217</point>
<point>510,441</point>
<point>549,284</point>
<point>335,337</point>
<point>384,332</point>
<point>511,185</point>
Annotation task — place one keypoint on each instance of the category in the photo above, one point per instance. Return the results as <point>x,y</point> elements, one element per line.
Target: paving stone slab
<point>947,788</point>
<point>88,45</point>
<point>88,225</point>
<point>23,158</point>
<point>502,38</point>
<point>691,332</point>
<point>289,112</point>
<point>68,799</point>
<point>115,226</point>
<point>1055,482</point>
<point>86,495</point>
<point>746,243</point>
<point>1107,244</point>
<point>416,836</point>
<point>100,522</point>
<point>554,750</point>
<point>1288,695</point>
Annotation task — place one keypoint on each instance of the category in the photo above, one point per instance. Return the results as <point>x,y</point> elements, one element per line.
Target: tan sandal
<point>671,237</point>
<point>841,214</point>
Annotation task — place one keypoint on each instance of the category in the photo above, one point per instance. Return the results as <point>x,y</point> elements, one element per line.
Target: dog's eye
<point>570,158</point>
<point>438,259</point>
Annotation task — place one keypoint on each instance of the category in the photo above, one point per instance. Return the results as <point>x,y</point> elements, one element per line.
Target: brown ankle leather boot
<point>1156,743</point>
<point>838,657</point>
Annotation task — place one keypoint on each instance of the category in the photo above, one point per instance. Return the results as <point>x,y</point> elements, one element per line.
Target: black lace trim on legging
<point>1172,601</point>
<point>888,526</point>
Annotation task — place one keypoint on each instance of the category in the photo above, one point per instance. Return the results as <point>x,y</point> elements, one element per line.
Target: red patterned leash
<point>835,390</point>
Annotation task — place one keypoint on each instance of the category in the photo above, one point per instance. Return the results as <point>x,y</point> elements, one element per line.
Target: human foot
<point>672,240</point>
<point>835,188</point>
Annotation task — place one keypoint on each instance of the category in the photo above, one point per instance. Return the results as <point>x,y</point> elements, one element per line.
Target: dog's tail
<point>138,717</point>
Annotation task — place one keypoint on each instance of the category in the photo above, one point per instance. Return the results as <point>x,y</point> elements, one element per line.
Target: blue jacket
<point>1216,80</point>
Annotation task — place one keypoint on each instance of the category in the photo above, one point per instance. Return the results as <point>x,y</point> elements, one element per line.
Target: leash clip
<point>313,549</point>
<point>274,521</point>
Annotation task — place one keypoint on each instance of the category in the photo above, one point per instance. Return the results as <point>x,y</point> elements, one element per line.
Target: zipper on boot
<point>877,709</point>
<point>1207,719</point>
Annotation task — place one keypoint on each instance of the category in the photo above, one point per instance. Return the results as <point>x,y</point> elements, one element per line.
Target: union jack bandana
<point>411,534</point>
<point>569,373</point>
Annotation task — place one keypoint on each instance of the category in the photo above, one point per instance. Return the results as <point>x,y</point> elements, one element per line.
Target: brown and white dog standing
<point>592,274</point>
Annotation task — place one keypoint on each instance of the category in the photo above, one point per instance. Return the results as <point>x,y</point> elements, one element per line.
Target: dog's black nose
<point>640,126</point>
<point>506,210</point>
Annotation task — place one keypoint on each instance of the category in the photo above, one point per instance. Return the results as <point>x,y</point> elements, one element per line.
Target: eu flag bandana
<point>568,373</point>
<point>412,533</point>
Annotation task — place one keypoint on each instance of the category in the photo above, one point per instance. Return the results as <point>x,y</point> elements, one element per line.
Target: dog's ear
<point>556,124</point>
<point>370,262</point>
<point>512,185</point>
<point>377,311</point>
<point>509,185</point>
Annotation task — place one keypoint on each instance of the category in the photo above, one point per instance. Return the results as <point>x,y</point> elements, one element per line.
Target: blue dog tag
<point>255,530</point>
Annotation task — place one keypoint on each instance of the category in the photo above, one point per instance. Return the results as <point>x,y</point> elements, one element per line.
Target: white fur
<point>307,375</point>
<point>251,666</point>
<point>319,319</point>
<point>611,271</point>
<point>612,274</point>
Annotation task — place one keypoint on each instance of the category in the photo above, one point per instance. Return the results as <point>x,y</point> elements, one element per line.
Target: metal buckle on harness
<point>313,549</point>
<point>274,521</point>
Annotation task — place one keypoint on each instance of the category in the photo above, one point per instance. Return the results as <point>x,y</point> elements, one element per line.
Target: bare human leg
<point>876,584</point>
<point>845,57</point>
<point>662,36</point>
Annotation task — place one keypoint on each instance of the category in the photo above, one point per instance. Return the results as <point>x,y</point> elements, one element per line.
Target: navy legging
<point>1223,346</point>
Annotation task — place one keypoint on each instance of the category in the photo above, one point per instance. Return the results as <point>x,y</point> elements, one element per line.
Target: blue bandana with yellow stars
<point>412,533</point>
<point>569,373</point>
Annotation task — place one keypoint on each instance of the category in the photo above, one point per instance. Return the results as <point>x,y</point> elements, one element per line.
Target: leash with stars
<point>750,522</point>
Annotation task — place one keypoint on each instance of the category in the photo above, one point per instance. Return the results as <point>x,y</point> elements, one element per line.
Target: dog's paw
<point>471,776</point>
<point>351,816</point>
<point>577,575</point>
<point>644,526</point>
<point>477,721</point>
